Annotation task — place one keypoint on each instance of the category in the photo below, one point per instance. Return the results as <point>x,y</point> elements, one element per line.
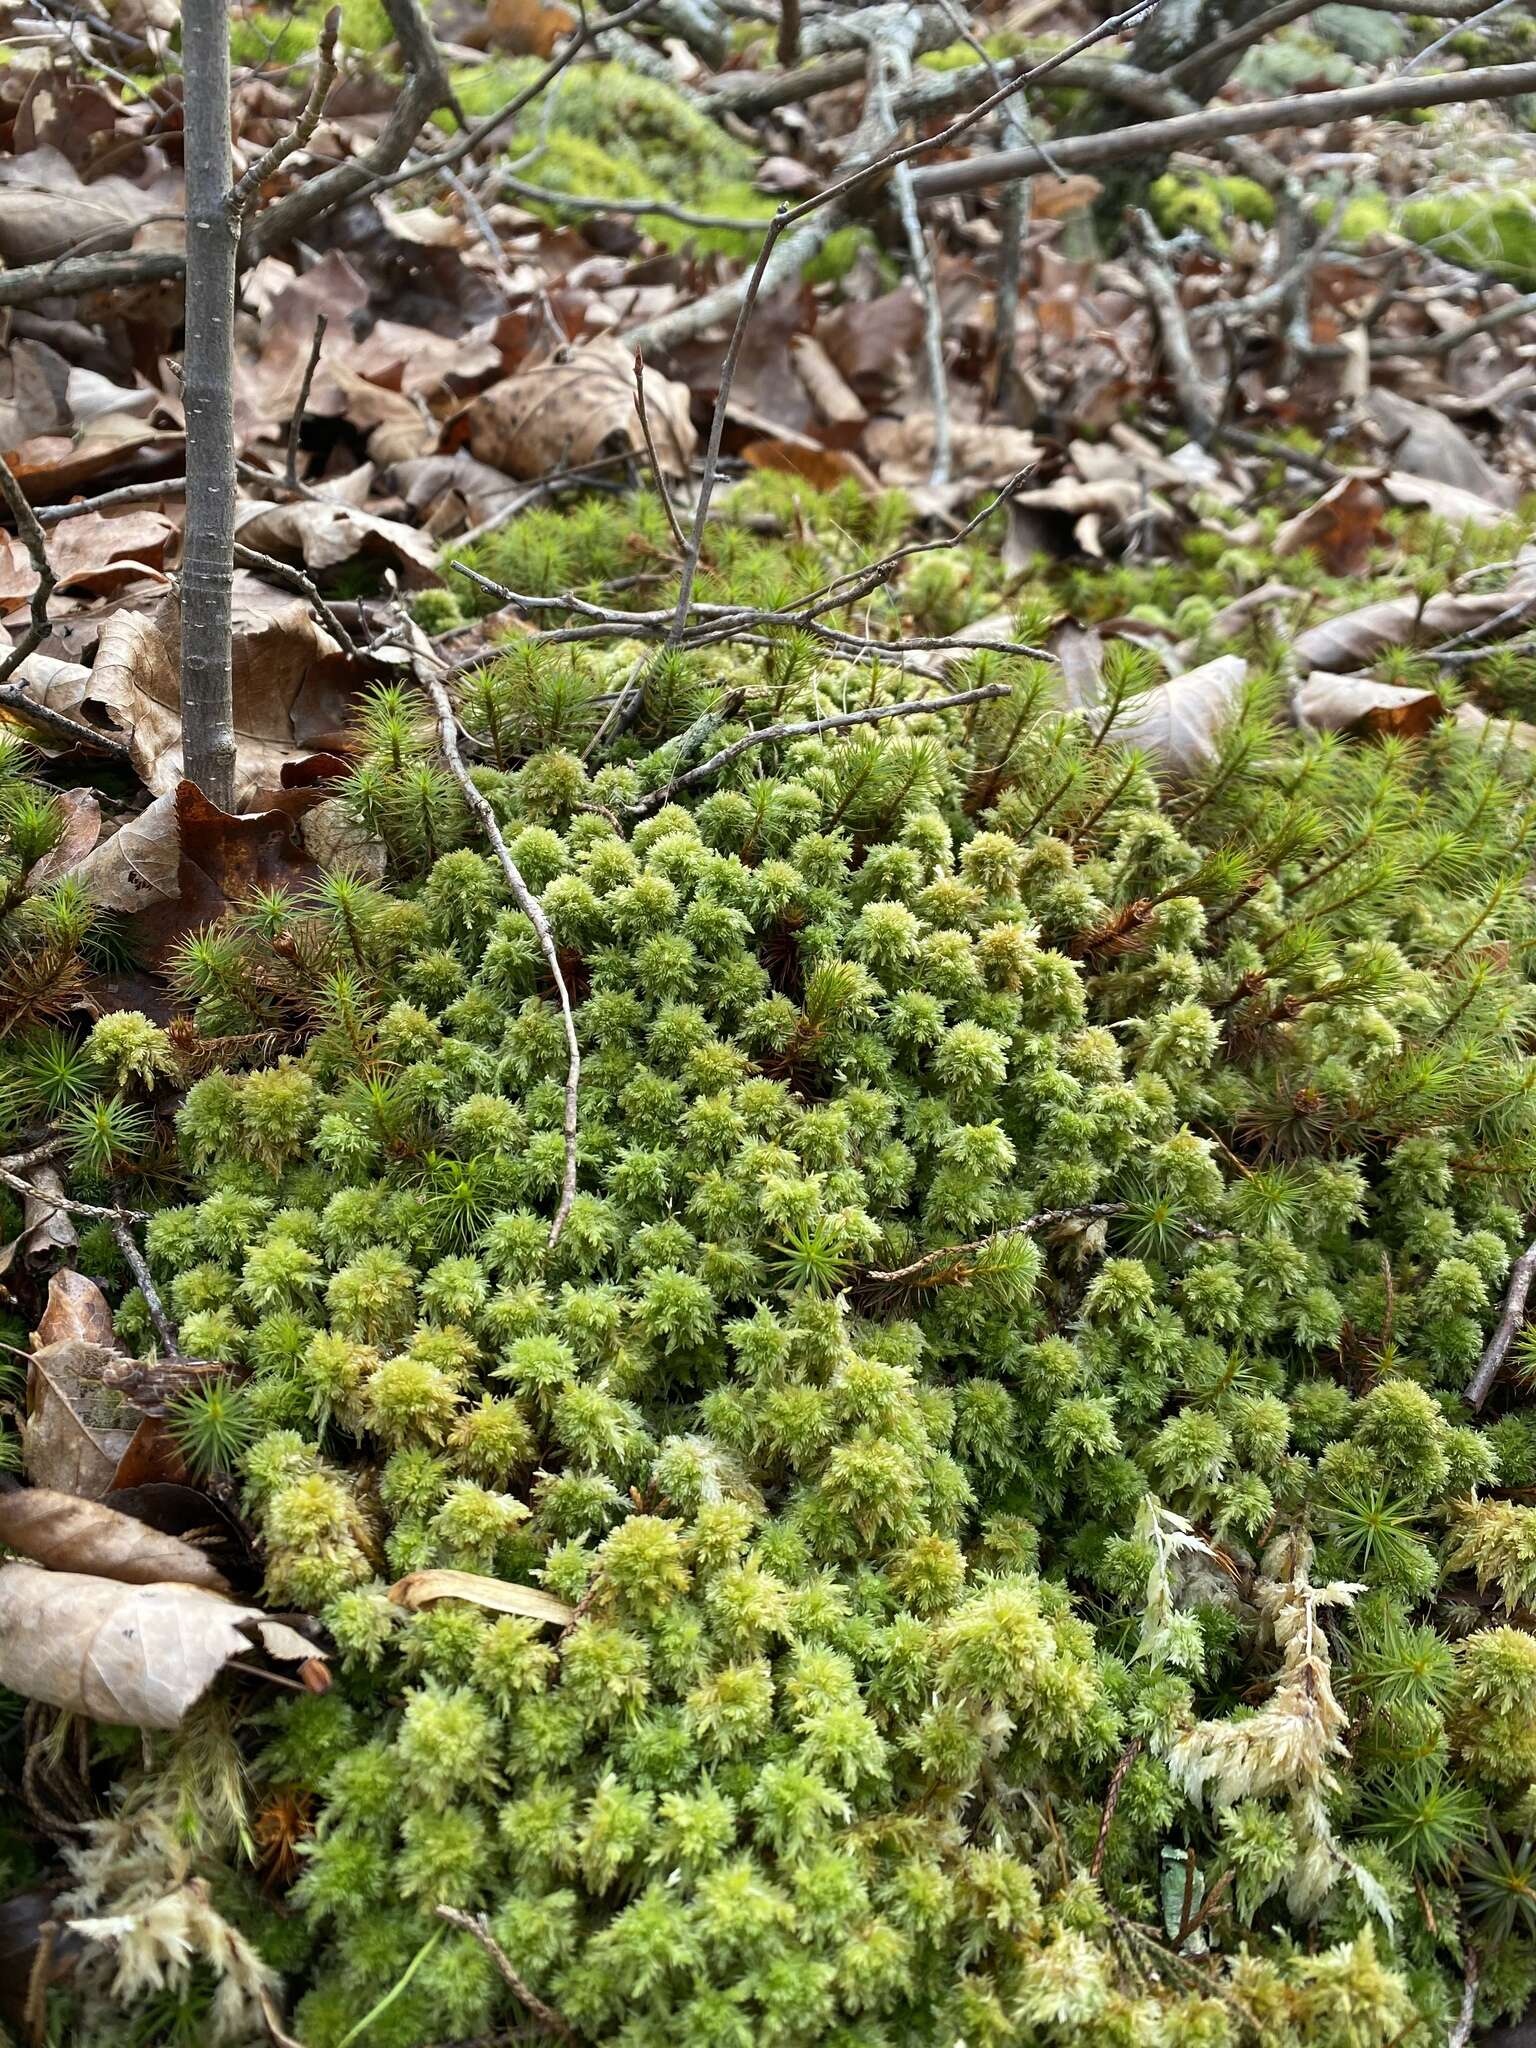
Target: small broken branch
<point>37,549</point>
<point>528,904</point>
<point>476,1926</point>
<point>295,578</point>
<point>655,460</point>
<point>1461,2032</point>
<point>296,423</point>
<point>1083,1212</point>
<point>802,728</point>
<point>270,160</point>
<point>1149,259</point>
<point>138,1266</point>
<point>1128,1756</point>
<point>1522,1273</point>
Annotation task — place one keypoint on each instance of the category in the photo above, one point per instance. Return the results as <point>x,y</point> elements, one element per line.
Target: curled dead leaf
<point>76,1307</point>
<point>1340,529</point>
<point>502,1596</point>
<point>902,450</point>
<point>75,1432</point>
<point>1179,722</point>
<point>323,535</point>
<point>575,407</point>
<point>66,1533</point>
<point>132,1656</point>
<point>822,468</point>
<point>1345,703</point>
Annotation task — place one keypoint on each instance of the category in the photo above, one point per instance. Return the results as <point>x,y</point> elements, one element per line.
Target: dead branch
<point>1461,2032</point>
<point>788,50</point>
<point>628,209</point>
<point>1188,131</point>
<point>34,281</point>
<point>475,1925</point>
<point>1520,1277</point>
<point>247,187</point>
<point>1149,259</point>
<point>295,424</point>
<point>138,1266</point>
<point>799,729</point>
<point>32,540</point>
<point>655,460</point>
<point>296,579</point>
<point>1083,1212</point>
<point>528,904</point>
<point>106,501</point>
<point>1453,337</point>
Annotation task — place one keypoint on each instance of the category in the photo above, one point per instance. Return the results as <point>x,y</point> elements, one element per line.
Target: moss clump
<point>906,1534</point>
<point>1489,229</point>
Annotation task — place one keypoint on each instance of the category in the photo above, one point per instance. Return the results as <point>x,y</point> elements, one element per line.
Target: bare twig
<point>475,1925</point>
<point>270,160</point>
<point>1188,131</point>
<point>138,1266</point>
<point>37,549</point>
<point>1149,259</point>
<point>1083,1212</point>
<point>799,729</point>
<point>106,501</point>
<point>655,460</point>
<point>629,209</point>
<point>1520,1277</point>
<point>1128,1756</point>
<point>295,424</point>
<point>788,50</point>
<point>296,579</point>
<point>527,903</point>
<point>1453,337</point>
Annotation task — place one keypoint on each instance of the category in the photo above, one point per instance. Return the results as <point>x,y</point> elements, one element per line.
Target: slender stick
<point>1187,131</point>
<point>271,159</point>
<point>1042,1221</point>
<point>650,448</point>
<point>1461,2032</point>
<point>106,501</point>
<point>527,903</point>
<point>37,549</point>
<point>475,1925</point>
<point>285,572</point>
<point>1522,1273</point>
<point>788,51</point>
<point>207,671</point>
<point>1112,1799</point>
<point>295,425</point>
<point>799,729</point>
<point>138,1266</point>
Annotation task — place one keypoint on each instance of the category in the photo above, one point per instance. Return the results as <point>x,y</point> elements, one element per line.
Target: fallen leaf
<point>138,865</point>
<point>131,1656</point>
<point>74,1435</point>
<point>334,839</point>
<point>66,1533</point>
<point>1341,528</point>
<point>869,342</point>
<point>1178,722</point>
<point>527,28</point>
<point>45,1224</point>
<point>54,466</point>
<point>92,552</point>
<point>837,403</point>
<point>46,209</point>
<point>502,1596</point>
<point>1447,501</point>
<point>822,468</point>
<point>76,1307</point>
<point>1424,442</point>
<point>324,535</point>
<point>902,450</point>
<point>575,407</point>
<point>1503,732</point>
<point>34,393</point>
<point>1352,639</point>
<point>398,427</point>
<point>81,811</point>
<point>1034,516</point>
<point>450,492</point>
<point>291,686</point>
<point>1329,702</point>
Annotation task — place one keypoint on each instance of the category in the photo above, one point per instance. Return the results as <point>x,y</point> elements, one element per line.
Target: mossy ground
<point>881,1580</point>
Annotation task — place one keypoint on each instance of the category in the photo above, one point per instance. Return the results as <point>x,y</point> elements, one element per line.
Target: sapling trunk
<point>207,684</point>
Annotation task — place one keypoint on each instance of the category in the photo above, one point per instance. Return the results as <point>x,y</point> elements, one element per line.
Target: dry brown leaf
<point>45,1224</point>
<point>69,1534</point>
<point>837,403</point>
<point>527,28</point>
<point>1035,516</point>
<point>1340,529</point>
<point>291,687</point>
<point>81,810</point>
<point>902,451</point>
<point>1178,722</point>
<point>76,1307</point>
<point>1329,702</point>
<point>323,535</point>
<point>398,426</point>
<point>576,407</point>
<point>45,209</point>
<point>1425,443</point>
<point>132,1656</point>
<point>869,340</point>
<point>75,1434</point>
<point>92,552</point>
<point>1447,501</point>
<point>1500,732</point>
<point>57,465</point>
<point>334,839</point>
<point>502,1596</point>
<point>137,866</point>
<point>34,393</point>
<point>1355,638</point>
<point>822,468</point>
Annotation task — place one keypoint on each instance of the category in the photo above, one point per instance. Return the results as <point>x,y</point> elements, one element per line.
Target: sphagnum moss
<point>1109,1632</point>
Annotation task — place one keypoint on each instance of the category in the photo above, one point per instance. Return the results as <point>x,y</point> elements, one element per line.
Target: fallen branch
<point>527,903</point>
<point>296,422</point>
<point>1522,1273</point>
<point>475,1925</point>
<point>106,501</point>
<point>1188,131</point>
<point>138,1266</point>
<point>295,578</point>
<point>1083,1212</point>
<point>803,728</point>
<point>1461,2032</point>
<point>1149,259</point>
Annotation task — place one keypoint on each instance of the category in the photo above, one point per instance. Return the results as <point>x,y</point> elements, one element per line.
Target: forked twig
<point>476,1926</point>
<point>257,174</point>
<point>527,903</point>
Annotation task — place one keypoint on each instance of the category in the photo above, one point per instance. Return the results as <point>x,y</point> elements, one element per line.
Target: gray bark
<point>207,685</point>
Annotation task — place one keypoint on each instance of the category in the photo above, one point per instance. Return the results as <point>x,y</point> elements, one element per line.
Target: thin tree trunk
<point>207,694</point>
